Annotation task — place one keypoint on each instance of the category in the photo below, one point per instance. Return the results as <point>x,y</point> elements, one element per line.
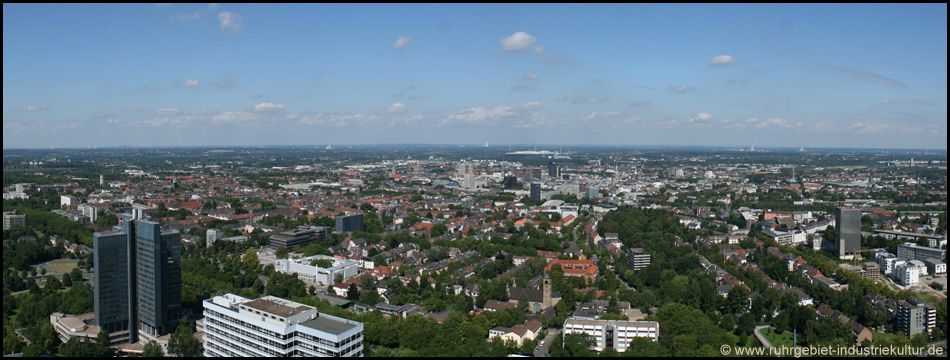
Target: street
<point>542,350</point>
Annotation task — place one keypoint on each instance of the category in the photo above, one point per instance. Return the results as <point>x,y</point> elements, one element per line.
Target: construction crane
<point>855,253</point>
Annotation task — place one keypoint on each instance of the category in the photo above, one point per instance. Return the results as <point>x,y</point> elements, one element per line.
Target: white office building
<point>90,211</point>
<point>906,273</point>
<point>316,274</point>
<point>212,236</point>
<point>612,333</point>
<point>273,327</point>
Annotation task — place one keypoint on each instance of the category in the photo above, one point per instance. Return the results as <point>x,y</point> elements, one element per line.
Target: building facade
<point>302,235</point>
<point>316,274</point>
<point>274,327</point>
<point>848,231</point>
<point>535,191</point>
<point>915,315</point>
<point>348,223</point>
<point>637,259</point>
<point>510,181</point>
<point>212,236</point>
<point>615,334</point>
<point>911,251</point>
<point>12,220</point>
<point>137,279</point>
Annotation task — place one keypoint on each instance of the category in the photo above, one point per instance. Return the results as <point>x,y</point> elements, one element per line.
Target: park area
<point>61,266</point>
<point>785,339</point>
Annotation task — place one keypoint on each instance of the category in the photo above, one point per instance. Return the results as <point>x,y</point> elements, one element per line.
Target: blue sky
<point>795,75</point>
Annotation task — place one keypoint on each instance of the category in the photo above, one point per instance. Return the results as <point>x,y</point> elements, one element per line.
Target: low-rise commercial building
<point>316,274</point>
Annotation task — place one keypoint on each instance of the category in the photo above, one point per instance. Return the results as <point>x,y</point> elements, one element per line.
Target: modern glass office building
<point>137,279</point>
<point>848,230</point>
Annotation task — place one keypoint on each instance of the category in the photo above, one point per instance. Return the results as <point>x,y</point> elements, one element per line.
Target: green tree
<point>12,343</point>
<point>76,275</point>
<point>352,292</point>
<point>523,302</point>
<point>250,257</point>
<point>52,284</point>
<point>746,323</point>
<point>282,252</point>
<point>573,345</point>
<point>152,349</point>
<point>183,342</point>
<point>67,280</point>
<point>103,344</point>
<point>78,348</point>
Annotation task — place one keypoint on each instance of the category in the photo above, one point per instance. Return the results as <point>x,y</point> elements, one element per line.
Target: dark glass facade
<point>848,230</point>
<point>138,278</point>
<point>348,223</point>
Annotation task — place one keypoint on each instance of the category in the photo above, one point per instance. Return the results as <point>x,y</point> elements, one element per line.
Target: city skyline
<point>816,76</point>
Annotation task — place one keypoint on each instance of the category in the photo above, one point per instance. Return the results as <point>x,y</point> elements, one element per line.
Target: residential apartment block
<point>915,315</point>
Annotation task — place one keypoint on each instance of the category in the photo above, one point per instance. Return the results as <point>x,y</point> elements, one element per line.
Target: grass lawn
<point>62,265</point>
<point>785,339</point>
<point>750,340</point>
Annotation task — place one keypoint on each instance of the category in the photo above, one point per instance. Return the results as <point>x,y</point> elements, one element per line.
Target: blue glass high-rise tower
<point>137,279</point>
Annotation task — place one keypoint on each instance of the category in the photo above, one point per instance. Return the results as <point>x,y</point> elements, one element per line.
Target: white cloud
<point>66,126</point>
<point>332,119</point>
<point>519,41</point>
<point>720,60</point>
<point>189,17</point>
<point>704,116</point>
<point>600,115</point>
<point>262,107</point>
<point>561,97</point>
<point>589,99</point>
<point>186,17</point>
<point>531,75</point>
<point>402,43</point>
<point>169,111</point>
<point>230,22</point>
<point>395,109</point>
<point>539,49</point>
<point>525,115</point>
<point>227,82</point>
<point>519,86</point>
<point>531,106</point>
<point>772,123</point>
<point>887,101</point>
<point>680,89</point>
<point>32,108</point>
<point>190,83</point>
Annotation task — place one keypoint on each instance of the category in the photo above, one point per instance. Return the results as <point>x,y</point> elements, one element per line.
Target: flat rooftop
<point>272,307</point>
<point>330,324</point>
